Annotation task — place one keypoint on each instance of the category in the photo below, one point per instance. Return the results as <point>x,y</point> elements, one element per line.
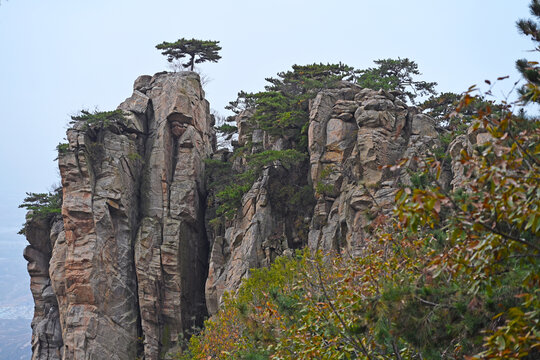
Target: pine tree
<point>392,74</point>
<point>198,51</point>
<point>529,69</point>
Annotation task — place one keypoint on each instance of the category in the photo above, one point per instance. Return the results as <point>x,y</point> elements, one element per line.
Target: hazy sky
<point>57,57</point>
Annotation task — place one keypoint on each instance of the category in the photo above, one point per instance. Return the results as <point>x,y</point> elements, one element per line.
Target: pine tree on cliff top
<point>198,51</point>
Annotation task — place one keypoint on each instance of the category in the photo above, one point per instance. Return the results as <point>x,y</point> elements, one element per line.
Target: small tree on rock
<point>198,51</point>
<point>392,74</point>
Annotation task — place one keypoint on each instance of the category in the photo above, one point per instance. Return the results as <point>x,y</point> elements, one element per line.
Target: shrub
<point>62,148</point>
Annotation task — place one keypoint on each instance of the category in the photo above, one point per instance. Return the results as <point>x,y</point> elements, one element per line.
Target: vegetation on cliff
<point>454,274</point>
<point>42,205</point>
<point>282,110</point>
<point>392,74</point>
<point>46,205</point>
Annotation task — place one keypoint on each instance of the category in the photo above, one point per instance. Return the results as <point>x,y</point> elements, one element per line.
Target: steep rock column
<point>128,259</point>
<point>42,234</point>
<point>97,286</point>
<point>171,247</point>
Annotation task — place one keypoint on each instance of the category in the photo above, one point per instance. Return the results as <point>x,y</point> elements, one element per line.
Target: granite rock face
<point>122,273</point>
<point>43,235</point>
<point>354,136</point>
<point>263,227</point>
<point>260,232</point>
<point>170,245</point>
<point>350,158</point>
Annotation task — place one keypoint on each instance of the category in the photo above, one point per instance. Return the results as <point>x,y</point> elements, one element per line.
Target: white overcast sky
<point>57,57</point>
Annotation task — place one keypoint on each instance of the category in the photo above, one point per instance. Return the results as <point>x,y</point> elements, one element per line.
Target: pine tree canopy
<point>198,51</point>
<point>392,74</point>
<point>530,70</point>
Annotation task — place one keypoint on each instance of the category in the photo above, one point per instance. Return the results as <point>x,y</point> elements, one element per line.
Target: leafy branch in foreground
<point>492,225</point>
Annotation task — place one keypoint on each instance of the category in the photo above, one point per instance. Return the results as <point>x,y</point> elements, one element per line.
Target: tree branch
<point>345,327</point>
<point>508,236</point>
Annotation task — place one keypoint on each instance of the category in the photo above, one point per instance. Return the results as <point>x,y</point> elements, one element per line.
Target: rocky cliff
<point>132,262</point>
<point>353,135</point>
<point>122,272</point>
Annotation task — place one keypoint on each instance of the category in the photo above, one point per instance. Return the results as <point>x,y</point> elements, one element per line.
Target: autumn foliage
<point>453,274</point>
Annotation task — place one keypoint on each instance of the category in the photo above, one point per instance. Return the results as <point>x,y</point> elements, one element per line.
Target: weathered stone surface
<point>137,103</point>
<point>344,106</point>
<point>353,134</point>
<point>339,134</point>
<point>142,82</point>
<point>348,162</point>
<point>100,183</point>
<point>244,128</point>
<point>42,234</point>
<point>423,125</point>
<point>254,240</point>
<point>459,144</point>
<point>128,260</point>
<point>263,227</point>
<point>171,245</point>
